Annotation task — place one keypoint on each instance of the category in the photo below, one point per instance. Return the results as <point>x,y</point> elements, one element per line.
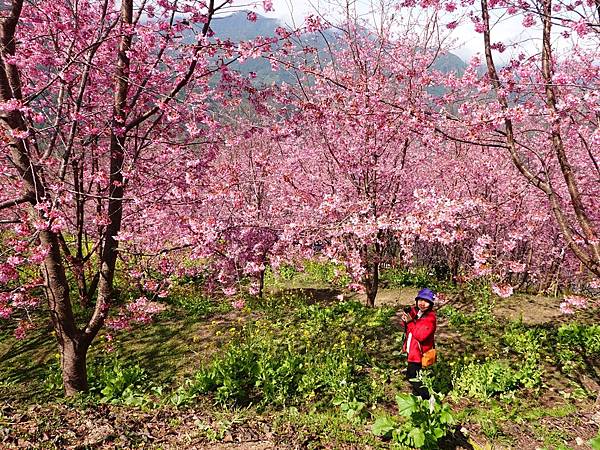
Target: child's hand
<point>405,317</point>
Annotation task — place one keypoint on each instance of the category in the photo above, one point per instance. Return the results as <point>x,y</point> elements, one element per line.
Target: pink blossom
<point>576,301</point>
<point>229,291</point>
<point>5,311</point>
<point>136,274</point>
<point>23,327</point>
<point>7,273</point>
<point>516,267</point>
<point>38,254</point>
<point>238,304</point>
<point>581,28</point>
<point>502,290</point>
<point>142,306</point>
<point>528,21</point>
<point>267,5</point>
<point>21,300</point>
<point>452,25</point>
<point>572,303</point>
<point>251,16</point>
<point>499,47</point>
<point>11,105</point>
<point>118,323</point>
<point>139,311</point>
<point>566,308</point>
<point>450,6</point>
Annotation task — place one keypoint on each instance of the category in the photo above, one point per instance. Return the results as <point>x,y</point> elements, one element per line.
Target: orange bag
<point>428,358</point>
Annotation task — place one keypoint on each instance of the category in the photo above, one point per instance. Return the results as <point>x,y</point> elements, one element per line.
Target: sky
<point>467,42</point>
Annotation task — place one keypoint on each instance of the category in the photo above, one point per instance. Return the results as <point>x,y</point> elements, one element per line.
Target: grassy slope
<point>176,346</point>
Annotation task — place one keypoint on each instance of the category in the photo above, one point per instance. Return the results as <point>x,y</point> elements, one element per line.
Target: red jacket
<point>420,332</point>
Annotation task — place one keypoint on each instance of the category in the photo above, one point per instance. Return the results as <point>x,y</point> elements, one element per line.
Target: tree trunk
<point>371,260</point>
<point>372,286</point>
<point>261,283</point>
<point>73,355</point>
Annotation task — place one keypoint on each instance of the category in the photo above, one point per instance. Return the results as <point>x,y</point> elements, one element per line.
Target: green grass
<point>196,331</point>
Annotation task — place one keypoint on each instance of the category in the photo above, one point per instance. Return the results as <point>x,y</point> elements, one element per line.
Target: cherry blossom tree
<point>540,106</point>
<point>102,105</point>
<point>359,155</point>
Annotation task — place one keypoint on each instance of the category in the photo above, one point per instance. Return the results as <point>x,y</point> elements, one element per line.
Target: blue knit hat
<point>426,294</point>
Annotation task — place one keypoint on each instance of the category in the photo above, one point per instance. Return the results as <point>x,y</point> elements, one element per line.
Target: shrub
<point>326,272</point>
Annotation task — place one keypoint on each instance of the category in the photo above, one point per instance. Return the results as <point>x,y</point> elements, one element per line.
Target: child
<point>419,325</point>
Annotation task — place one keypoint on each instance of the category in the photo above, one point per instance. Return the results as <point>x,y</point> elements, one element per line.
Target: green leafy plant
<point>326,272</point>
<point>110,380</point>
<point>313,353</point>
<point>194,304</point>
<point>116,382</point>
<point>422,423</point>
<point>529,344</point>
<point>354,410</point>
<point>484,379</point>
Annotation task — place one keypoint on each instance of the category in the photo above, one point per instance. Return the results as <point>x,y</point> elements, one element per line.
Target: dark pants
<point>418,389</point>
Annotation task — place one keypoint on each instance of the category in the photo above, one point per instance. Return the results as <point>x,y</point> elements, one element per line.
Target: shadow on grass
<point>164,349</point>
<point>455,441</point>
<point>310,296</point>
<point>24,359</point>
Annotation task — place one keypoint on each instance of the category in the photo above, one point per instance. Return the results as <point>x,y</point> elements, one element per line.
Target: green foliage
<point>440,376</point>
<point>313,272</point>
<point>424,422</point>
<point>529,344</point>
<point>276,304</point>
<point>110,380</point>
<point>456,318</point>
<point>354,410</point>
<point>327,272</point>
<point>595,442</point>
<point>484,379</point>
<point>586,338</point>
<point>316,353</point>
<point>286,272</point>
<point>417,277</point>
<point>197,305</point>
<point>116,382</point>
<point>575,345</point>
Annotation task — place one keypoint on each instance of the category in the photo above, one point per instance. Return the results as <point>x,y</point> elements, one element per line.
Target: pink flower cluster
<point>23,327</point>
<point>502,290</point>
<point>141,310</point>
<point>572,303</point>
<point>238,304</point>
